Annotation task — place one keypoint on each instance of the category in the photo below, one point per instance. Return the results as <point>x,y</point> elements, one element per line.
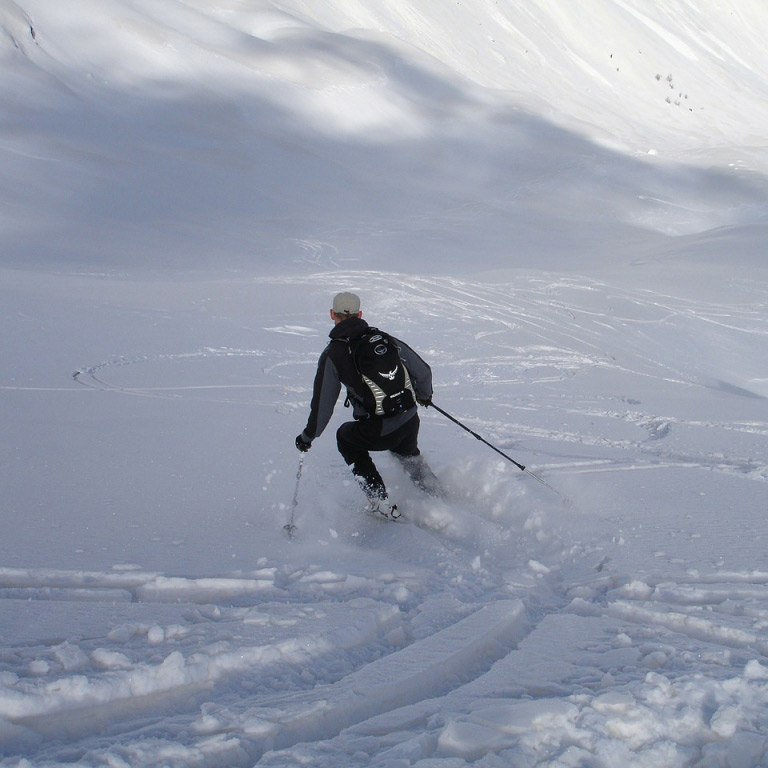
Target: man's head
<point>345,305</point>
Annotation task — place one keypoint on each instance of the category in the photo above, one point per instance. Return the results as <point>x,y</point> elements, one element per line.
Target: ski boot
<point>382,507</point>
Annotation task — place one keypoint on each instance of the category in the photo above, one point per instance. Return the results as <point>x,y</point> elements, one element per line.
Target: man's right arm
<point>325,394</point>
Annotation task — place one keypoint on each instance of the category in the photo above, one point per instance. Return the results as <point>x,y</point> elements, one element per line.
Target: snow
<point>562,209</point>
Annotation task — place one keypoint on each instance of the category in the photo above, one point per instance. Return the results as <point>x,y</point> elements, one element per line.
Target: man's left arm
<point>418,370</point>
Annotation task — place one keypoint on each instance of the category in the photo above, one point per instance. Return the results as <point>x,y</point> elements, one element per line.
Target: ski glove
<point>425,402</point>
<point>302,443</point>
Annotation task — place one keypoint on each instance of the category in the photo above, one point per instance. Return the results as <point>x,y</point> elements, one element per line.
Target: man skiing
<point>373,428</point>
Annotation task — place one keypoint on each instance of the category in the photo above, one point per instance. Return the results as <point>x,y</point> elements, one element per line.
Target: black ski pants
<point>355,440</point>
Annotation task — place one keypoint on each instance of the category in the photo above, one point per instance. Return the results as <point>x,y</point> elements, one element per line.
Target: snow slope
<point>563,207</point>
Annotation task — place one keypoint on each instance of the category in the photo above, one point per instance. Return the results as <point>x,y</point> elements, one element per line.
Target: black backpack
<point>387,388</point>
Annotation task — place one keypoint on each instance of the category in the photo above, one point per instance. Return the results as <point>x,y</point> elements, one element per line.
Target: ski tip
<point>290,529</point>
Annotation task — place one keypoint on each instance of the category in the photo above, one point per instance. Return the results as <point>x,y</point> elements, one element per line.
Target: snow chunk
<point>755,671</point>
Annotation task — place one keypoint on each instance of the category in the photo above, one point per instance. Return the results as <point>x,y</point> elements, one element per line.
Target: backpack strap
<point>348,342</point>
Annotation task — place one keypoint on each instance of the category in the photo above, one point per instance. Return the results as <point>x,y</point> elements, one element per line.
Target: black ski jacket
<point>336,367</point>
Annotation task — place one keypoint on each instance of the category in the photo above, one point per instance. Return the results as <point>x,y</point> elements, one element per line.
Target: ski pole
<point>289,527</point>
<point>520,466</point>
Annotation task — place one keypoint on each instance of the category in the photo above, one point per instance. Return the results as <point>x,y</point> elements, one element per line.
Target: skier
<point>397,433</point>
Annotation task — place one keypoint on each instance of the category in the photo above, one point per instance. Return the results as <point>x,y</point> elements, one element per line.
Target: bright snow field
<point>563,211</point>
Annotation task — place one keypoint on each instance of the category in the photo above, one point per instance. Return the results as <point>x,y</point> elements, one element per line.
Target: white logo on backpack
<point>391,375</point>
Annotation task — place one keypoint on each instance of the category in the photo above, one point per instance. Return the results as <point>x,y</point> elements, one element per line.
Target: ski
<point>384,518</point>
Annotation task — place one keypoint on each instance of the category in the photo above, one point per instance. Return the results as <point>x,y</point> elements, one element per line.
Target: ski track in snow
<point>539,332</point>
<point>308,664</point>
<point>249,675</point>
